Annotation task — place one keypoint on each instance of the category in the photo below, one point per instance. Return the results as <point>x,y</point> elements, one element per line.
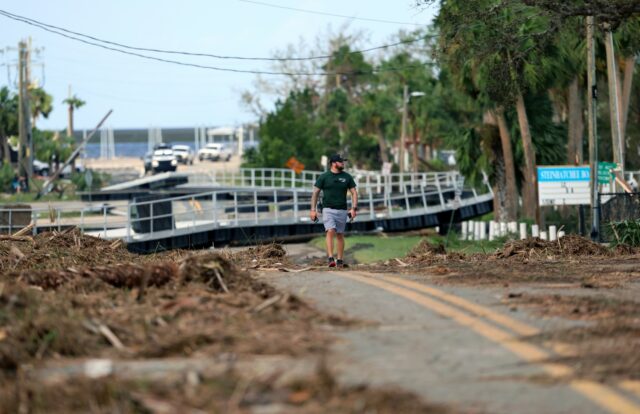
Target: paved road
<point>457,346</point>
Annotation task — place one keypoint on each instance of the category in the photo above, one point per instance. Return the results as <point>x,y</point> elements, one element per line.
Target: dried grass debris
<point>264,255</point>
<point>214,270</point>
<point>125,275</point>
<point>536,248</point>
<point>428,253</point>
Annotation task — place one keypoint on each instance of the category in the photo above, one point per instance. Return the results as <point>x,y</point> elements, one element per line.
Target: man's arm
<point>354,202</point>
<point>314,202</point>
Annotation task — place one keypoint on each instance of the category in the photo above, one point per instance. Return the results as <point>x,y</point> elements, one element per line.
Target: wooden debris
<point>267,303</point>
<point>16,252</point>
<point>116,244</point>
<point>4,237</point>
<point>111,337</point>
<point>24,231</point>
<point>401,263</point>
<point>222,284</point>
<point>158,406</point>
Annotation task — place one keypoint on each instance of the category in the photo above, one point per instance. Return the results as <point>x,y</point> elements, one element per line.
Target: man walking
<point>334,185</point>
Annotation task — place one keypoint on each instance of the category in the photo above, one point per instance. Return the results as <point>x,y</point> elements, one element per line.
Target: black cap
<point>337,158</point>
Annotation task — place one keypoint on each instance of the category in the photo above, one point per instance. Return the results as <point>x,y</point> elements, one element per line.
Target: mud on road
<point>86,326</point>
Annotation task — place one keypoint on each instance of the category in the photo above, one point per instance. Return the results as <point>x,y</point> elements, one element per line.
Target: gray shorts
<point>334,219</point>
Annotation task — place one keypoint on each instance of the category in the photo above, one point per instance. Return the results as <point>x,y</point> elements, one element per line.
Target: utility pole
<point>403,133</point>
<point>614,102</point>
<point>592,96</point>
<point>25,153</point>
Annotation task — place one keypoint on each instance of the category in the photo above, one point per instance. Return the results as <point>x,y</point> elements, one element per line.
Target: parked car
<point>214,152</point>
<point>42,169</point>
<point>183,154</point>
<point>163,160</point>
<point>161,145</point>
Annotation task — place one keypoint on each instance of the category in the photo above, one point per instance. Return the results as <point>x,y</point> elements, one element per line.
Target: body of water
<point>128,149</point>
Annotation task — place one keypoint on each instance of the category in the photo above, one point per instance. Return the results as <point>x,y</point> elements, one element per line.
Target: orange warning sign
<point>295,165</point>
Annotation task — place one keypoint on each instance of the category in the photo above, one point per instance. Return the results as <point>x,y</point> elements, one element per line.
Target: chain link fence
<point>616,207</point>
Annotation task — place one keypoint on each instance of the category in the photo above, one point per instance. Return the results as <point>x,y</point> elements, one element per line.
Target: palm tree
<point>74,103</point>
<point>41,104</point>
<point>8,121</point>
<point>510,48</point>
<point>472,72</point>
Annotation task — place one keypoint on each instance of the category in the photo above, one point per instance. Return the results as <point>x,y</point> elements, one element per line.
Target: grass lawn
<point>32,197</point>
<point>375,248</point>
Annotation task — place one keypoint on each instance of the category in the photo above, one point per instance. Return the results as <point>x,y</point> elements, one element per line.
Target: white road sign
<point>563,185</point>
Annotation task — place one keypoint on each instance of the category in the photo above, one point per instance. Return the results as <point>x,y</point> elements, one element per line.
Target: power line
<point>40,24</point>
<point>276,6</point>
<point>196,65</point>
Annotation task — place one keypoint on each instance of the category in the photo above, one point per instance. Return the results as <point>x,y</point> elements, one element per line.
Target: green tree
<point>8,120</point>
<point>291,130</point>
<point>73,103</point>
<point>41,104</point>
<point>513,45</point>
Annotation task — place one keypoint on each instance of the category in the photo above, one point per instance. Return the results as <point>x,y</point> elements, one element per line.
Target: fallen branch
<point>286,270</point>
<point>401,263</point>
<point>24,231</point>
<point>267,303</point>
<point>219,277</point>
<point>4,237</point>
<point>111,337</point>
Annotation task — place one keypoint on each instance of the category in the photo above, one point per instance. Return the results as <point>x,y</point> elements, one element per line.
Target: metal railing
<point>367,182</point>
<point>272,197</point>
<point>59,218</point>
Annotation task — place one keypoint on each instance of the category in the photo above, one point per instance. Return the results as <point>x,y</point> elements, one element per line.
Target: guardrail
<point>273,197</point>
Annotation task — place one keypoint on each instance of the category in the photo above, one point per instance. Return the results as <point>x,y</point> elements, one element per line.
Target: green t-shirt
<point>334,189</point>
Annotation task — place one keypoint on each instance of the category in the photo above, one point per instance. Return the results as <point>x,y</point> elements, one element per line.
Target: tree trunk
<point>382,145</point>
<point>614,101</point>
<point>70,121</point>
<point>5,155</point>
<point>576,124</point>
<point>530,189</point>
<point>629,65</point>
<point>511,196</point>
<point>500,191</point>
<point>414,150</point>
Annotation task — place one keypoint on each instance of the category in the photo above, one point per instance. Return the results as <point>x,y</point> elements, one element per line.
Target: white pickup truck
<point>214,152</point>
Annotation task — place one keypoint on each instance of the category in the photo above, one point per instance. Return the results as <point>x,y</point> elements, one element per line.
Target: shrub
<point>6,176</point>
<point>625,232</point>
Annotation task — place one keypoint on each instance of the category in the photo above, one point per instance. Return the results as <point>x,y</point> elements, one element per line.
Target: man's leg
<point>340,237</point>
<point>329,237</point>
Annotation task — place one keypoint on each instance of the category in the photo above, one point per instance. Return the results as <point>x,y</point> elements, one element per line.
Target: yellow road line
<point>598,393</point>
<point>516,326</point>
<point>562,349</point>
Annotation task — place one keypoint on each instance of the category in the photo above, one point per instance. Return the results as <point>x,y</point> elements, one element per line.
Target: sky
<point>145,93</point>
